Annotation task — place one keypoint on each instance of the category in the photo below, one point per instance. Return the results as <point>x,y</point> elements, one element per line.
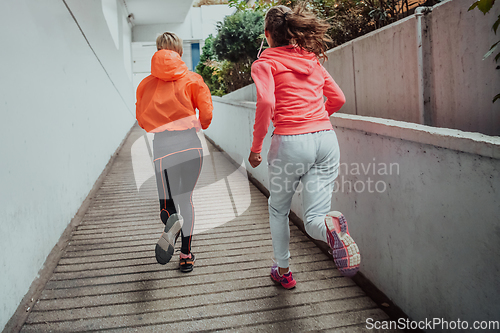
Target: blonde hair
<point>169,41</point>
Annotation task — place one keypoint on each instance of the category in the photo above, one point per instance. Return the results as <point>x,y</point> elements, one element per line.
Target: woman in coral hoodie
<point>291,84</point>
<point>166,106</point>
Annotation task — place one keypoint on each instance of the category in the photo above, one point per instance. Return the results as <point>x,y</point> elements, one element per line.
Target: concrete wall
<point>422,204</point>
<point>247,93</point>
<point>380,72</point>
<point>232,130</point>
<point>429,231</point>
<point>340,65</point>
<point>67,102</point>
<point>463,84</point>
<point>386,85</point>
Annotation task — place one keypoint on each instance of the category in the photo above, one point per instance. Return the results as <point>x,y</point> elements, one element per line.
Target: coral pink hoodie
<point>290,87</point>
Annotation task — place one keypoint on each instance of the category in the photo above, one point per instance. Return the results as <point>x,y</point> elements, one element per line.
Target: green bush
<point>235,75</point>
<point>210,69</point>
<point>226,60</point>
<point>350,19</point>
<point>238,36</point>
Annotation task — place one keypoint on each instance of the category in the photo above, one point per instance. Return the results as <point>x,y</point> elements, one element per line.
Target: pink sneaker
<point>345,252</point>
<point>287,280</point>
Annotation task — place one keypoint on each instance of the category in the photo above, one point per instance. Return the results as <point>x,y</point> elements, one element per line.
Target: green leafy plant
<point>238,4</point>
<point>260,5</point>
<point>238,36</point>
<point>234,49</point>
<point>235,75</point>
<point>485,6</point>
<point>350,19</point>
<point>210,69</point>
<point>482,5</point>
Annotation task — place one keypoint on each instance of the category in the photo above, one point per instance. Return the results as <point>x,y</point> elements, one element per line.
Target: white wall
<point>379,72</point>
<point>65,111</point>
<point>426,219</point>
<point>200,22</point>
<point>247,93</point>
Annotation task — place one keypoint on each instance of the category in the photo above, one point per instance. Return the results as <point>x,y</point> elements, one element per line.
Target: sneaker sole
<point>186,269</point>
<point>345,251</point>
<point>286,286</point>
<point>189,267</point>
<point>165,247</point>
<point>289,285</point>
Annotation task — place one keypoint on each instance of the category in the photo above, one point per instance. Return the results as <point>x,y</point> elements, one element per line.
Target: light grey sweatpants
<point>313,160</point>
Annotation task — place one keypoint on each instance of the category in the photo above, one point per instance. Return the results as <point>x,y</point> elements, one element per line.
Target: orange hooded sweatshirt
<point>290,85</point>
<point>168,98</point>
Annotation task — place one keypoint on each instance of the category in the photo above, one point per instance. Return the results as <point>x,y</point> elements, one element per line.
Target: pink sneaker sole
<point>345,252</point>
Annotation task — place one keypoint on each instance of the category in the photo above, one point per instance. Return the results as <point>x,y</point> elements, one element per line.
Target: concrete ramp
<point>108,278</point>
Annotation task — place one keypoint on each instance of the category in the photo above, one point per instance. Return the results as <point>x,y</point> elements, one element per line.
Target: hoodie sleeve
<point>138,104</point>
<point>264,82</point>
<point>203,102</point>
<point>333,93</point>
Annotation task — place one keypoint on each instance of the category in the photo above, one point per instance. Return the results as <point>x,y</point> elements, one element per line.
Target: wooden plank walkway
<point>108,279</point>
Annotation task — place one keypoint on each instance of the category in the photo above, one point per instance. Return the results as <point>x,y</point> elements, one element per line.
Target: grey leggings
<point>178,158</point>
<point>313,160</point>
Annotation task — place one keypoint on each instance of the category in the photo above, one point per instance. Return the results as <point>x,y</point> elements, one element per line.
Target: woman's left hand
<point>254,159</point>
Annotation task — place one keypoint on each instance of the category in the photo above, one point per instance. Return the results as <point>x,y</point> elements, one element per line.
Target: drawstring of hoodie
<point>260,50</point>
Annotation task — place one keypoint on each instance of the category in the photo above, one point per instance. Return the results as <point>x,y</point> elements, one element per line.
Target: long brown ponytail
<point>298,26</point>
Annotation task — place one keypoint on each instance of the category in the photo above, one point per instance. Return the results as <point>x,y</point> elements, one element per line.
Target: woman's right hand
<point>255,159</point>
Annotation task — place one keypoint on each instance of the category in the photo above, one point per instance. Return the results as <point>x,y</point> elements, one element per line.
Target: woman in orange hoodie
<point>166,106</point>
<point>291,84</point>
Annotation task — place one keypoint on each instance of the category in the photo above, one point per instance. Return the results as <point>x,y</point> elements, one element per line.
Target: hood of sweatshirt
<point>291,58</point>
<point>167,65</point>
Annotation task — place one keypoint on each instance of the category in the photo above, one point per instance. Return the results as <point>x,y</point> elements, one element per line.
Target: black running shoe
<point>186,264</point>
<point>165,246</point>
